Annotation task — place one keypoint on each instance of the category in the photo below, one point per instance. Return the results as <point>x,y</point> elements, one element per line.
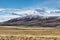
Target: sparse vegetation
<point>29,33</point>
<point>27,38</point>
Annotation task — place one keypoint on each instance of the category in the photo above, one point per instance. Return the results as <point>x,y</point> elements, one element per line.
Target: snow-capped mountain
<point>7,14</point>
<point>31,17</point>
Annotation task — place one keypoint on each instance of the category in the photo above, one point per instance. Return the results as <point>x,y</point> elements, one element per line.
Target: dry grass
<point>11,33</point>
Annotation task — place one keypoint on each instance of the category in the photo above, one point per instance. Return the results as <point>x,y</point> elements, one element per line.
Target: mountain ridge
<point>35,17</point>
<point>41,21</point>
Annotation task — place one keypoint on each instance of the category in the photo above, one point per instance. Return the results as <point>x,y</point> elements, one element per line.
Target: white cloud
<point>7,17</point>
<point>7,14</point>
<point>1,9</point>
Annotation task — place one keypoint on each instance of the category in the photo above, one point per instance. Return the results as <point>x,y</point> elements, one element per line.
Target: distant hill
<point>50,21</point>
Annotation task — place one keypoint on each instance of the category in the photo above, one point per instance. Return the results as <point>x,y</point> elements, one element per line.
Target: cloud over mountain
<point>7,14</point>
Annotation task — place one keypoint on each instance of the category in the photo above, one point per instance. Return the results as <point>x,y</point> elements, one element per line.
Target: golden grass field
<point>29,33</point>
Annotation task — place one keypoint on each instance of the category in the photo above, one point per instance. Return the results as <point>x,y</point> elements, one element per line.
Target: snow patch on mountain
<point>7,14</point>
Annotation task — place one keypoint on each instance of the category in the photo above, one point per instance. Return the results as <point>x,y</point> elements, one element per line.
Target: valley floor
<point>29,33</point>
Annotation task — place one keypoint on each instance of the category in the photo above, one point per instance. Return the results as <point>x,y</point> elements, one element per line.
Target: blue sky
<point>18,7</point>
<point>29,3</point>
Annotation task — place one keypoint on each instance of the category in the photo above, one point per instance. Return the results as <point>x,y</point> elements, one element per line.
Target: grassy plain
<point>29,33</point>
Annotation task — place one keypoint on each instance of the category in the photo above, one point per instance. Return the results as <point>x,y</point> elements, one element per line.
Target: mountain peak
<point>8,14</point>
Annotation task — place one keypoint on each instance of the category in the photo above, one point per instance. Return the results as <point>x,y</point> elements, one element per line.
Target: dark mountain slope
<point>52,21</point>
